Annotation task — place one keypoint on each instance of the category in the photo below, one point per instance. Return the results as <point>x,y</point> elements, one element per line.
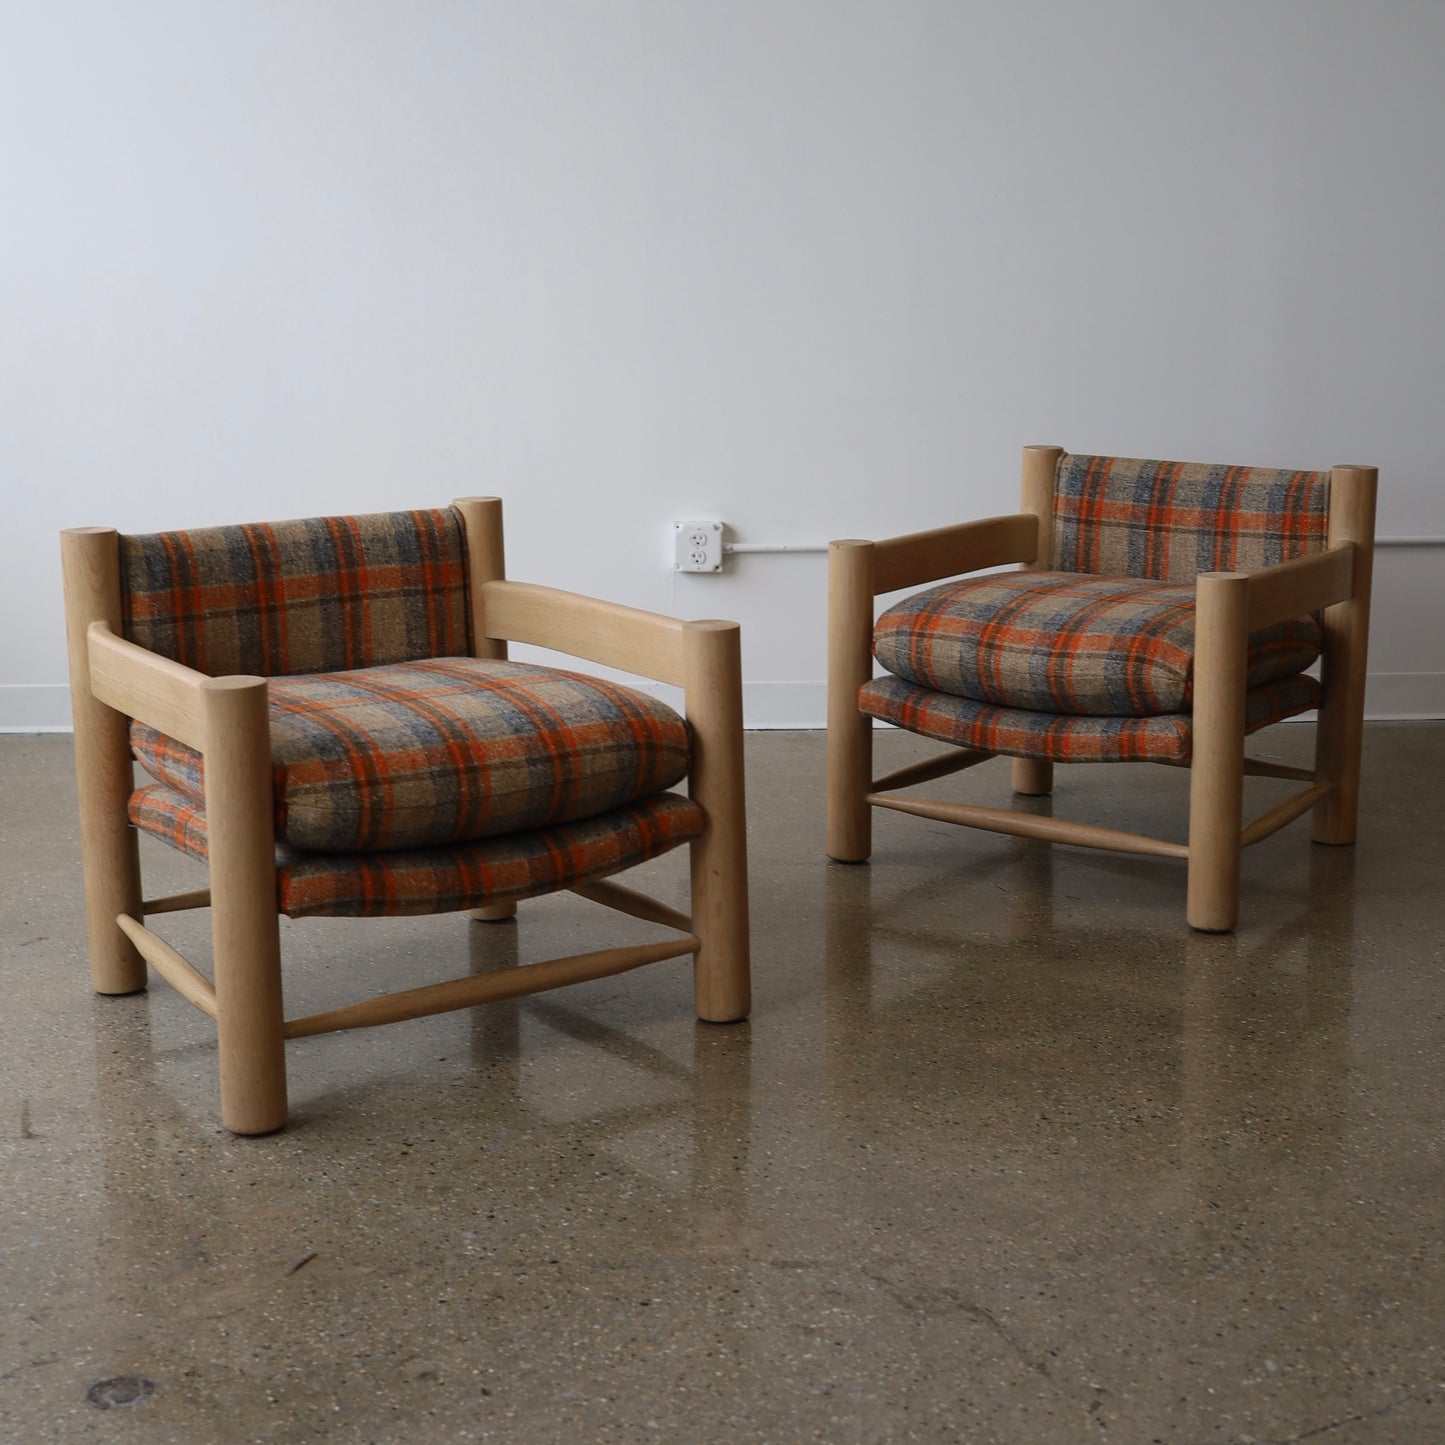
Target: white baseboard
<point>767,706</point>
<point>1404,695</point>
<point>37,707</point>
<point>798,706</point>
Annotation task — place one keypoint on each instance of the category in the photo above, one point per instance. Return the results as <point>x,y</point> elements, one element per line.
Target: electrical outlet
<point>697,546</point>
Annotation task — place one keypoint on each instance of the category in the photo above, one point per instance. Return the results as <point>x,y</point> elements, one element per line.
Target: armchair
<point>1162,611</point>
<point>328,719</point>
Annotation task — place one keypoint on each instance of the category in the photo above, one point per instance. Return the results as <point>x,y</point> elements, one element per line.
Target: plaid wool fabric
<point>1062,642</point>
<point>1059,738</point>
<point>1169,521</point>
<point>423,754</point>
<point>318,595</point>
<point>443,880</point>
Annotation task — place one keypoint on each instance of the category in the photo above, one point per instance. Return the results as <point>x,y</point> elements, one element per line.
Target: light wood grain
<point>177,971</point>
<point>628,638</point>
<point>486,562</point>
<point>1252,768</point>
<point>150,688</point>
<point>1034,777</point>
<point>920,557</point>
<point>1039,477</point>
<point>849,824</point>
<point>493,912</point>
<point>633,903</point>
<point>90,564</point>
<point>482,988</point>
<point>178,902</point>
<point>1216,778</point>
<point>1275,818</point>
<point>718,863</point>
<point>1259,768</point>
<point>1026,825</point>
<point>244,931</point>
<point>1339,734</point>
<point>940,765</point>
<point>1300,586</point>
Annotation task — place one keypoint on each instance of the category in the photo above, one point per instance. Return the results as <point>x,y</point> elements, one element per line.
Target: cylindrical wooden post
<point>90,562</point>
<point>713,700</point>
<point>486,562</point>
<point>493,913</point>
<point>1216,780</point>
<point>850,733</point>
<point>244,929</point>
<point>1035,776</point>
<point>1340,730</point>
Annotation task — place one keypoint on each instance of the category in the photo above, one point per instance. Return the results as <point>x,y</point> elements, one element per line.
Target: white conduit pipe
<point>823,546</point>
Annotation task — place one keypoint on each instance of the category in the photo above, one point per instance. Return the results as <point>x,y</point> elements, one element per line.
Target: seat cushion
<point>423,754</point>
<point>1060,738</point>
<point>442,880</point>
<point>1067,642</point>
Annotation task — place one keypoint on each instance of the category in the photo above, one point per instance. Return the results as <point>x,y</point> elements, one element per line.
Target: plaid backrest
<point>1168,521</point>
<point>322,594</point>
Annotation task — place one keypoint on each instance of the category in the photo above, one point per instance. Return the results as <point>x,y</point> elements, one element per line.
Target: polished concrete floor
<point>1005,1154</point>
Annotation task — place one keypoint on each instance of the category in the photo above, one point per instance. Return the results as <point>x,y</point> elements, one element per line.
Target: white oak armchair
<point>1162,611</point>
<point>329,721</point>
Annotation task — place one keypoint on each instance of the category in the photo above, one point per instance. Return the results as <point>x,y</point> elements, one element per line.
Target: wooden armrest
<point>1306,584</point>
<point>919,557</point>
<point>628,638</point>
<point>150,688</point>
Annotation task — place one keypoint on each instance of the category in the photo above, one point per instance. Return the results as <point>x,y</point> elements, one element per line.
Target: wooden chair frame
<point>226,720</point>
<point>1230,605</point>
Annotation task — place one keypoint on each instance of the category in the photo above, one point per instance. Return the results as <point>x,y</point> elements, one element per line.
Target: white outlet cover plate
<point>697,545</point>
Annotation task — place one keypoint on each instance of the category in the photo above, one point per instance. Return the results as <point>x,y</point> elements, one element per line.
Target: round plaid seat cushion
<point>1069,642</point>
<point>424,754</point>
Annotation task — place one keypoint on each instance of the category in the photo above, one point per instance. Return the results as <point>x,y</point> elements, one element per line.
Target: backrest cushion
<point>322,594</point>
<point>1169,521</point>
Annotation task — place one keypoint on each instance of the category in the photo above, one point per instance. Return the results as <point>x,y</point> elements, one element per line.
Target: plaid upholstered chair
<point>1162,612</point>
<point>327,717</point>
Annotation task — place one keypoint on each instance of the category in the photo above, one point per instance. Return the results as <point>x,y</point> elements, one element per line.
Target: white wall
<point>819,268</point>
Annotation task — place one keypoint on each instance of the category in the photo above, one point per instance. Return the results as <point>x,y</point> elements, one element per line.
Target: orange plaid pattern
<point>1169,521</point>
<point>321,594</point>
<point>1062,642</point>
<point>442,880</point>
<point>421,754</point>
<point>1058,737</point>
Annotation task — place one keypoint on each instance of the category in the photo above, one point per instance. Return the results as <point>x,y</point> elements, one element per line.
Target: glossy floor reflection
<point>1005,1154</point>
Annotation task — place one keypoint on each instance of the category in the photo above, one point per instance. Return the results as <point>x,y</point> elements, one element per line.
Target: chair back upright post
<point>1034,777</point>
<point>1340,729</point>
<point>486,562</point>
<point>713,702</point>
<point>90,562</point>
<point>849,829</point>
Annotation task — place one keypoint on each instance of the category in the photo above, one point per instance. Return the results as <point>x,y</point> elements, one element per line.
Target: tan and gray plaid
<point>431,753</point>
<point>1062,642</point>
<point>1059,737</point>
<point>1169,521</point>
<point>441,880</point>
<point>321,594</point>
